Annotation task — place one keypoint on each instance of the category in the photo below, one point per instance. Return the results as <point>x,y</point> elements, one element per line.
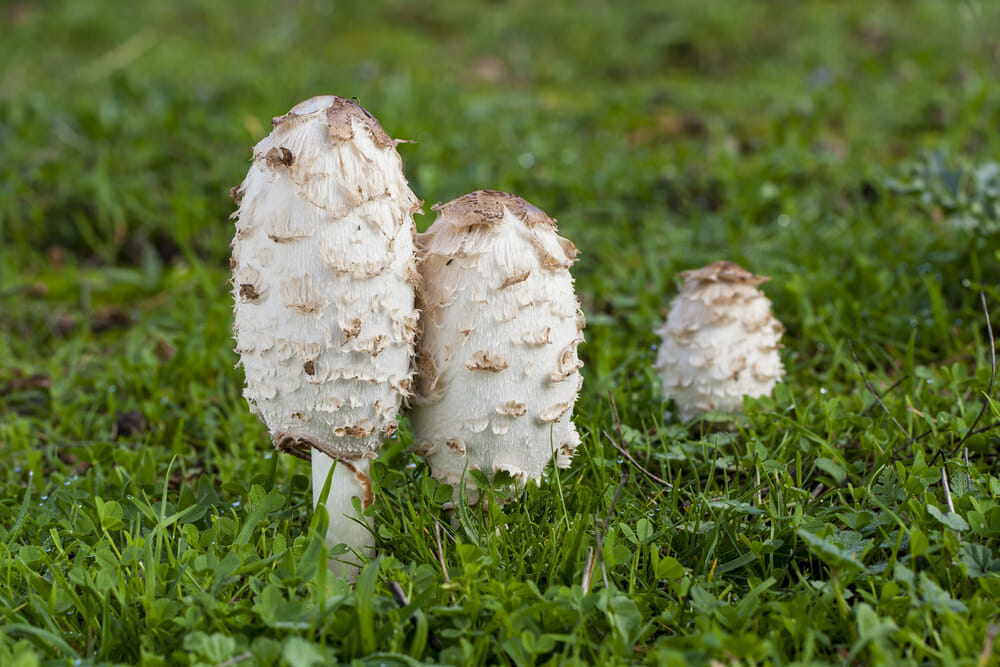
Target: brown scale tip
<point>486,207</point>
<point>722,272</point>
<point>364,481</point>
<point>340,111</point>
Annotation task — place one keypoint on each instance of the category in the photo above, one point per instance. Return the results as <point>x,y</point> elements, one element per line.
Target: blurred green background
<point>661,134</point>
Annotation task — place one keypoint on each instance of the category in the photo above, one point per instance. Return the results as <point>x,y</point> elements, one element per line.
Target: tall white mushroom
<point>497,361</point>
<point>720,342</point>
<point>324,271</point>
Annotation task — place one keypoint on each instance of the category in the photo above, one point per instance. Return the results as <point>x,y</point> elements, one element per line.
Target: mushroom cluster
<point>338,302</point>
<point>325,278</point>
<point>720,342</point>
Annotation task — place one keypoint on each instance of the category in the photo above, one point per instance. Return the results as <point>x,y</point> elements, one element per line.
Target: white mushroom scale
<point>324,273</point>
<point>498,371</point>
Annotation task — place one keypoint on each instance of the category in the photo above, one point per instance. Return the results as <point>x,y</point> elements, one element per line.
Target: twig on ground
<point>993,374</point>
<point>621,448</point>
<point>628,457</point>
<point>596,554</point>
<point>971,431</point>
<point>600,530</point>
<point>878,399</point>
<point>885,393</point>
<point>403,601</point>
<point>603,530</point>
<point>235,660</point>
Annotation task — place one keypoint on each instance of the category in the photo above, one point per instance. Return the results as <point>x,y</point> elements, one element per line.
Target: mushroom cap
<point>720,272</point>
<point>497,361</point>
<point>720,342</point>
<point>324,270</point>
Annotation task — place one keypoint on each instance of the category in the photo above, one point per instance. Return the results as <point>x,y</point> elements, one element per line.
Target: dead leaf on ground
<point>22,382</point>
<point>128,423</point>
<point>110,317</point>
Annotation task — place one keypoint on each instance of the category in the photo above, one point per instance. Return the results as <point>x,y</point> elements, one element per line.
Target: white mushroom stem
<point>349,480</point>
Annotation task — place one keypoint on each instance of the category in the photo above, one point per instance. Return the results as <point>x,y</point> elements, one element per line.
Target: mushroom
<point>497,365</point>
<point>720,342</point>
<point>324,272</point>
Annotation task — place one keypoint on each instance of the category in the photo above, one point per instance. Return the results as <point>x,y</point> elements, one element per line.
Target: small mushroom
<point>497,364</point>
<point>720,342</point>
<point>323,264</point>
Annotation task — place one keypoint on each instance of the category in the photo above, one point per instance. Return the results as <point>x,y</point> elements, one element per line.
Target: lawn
<point>849,150</point>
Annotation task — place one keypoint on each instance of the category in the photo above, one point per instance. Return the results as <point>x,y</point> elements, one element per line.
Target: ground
<point>846,149</point>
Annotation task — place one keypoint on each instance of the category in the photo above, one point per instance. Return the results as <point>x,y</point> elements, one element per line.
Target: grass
<point>844,149</point>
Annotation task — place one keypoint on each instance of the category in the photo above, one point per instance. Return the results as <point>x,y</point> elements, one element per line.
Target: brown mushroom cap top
<point>340,111</point>
<point>467,226</point>
<point>721,272</point>
<point>486,207</point>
